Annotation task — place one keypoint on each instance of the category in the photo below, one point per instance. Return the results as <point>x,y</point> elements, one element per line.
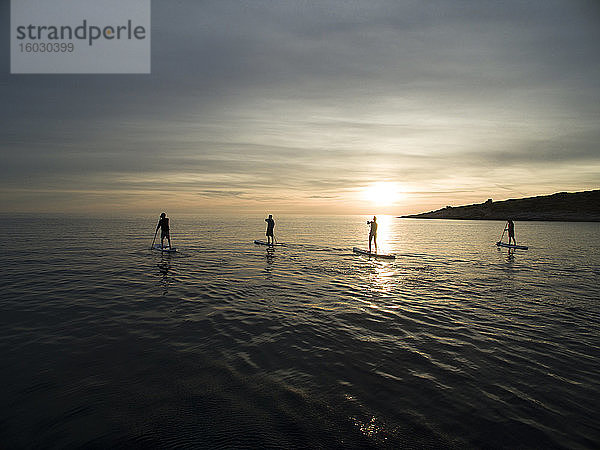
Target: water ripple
<point>226,344</point>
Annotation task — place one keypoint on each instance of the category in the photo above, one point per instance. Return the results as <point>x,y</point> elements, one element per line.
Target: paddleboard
<point>166,249</point>
<point>259,242</point>
<point>360,251</point>
<point>502,244</point>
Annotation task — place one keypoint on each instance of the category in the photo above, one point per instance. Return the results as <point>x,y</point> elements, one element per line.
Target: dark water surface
<point>227,344</point>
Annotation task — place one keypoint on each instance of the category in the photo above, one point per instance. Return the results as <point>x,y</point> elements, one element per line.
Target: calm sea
<point>225,344</point>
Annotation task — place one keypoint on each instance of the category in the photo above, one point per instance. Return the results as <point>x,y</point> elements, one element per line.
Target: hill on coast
<point>563,206</point>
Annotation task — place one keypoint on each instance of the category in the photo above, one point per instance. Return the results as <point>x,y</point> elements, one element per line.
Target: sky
<point>328,107</point>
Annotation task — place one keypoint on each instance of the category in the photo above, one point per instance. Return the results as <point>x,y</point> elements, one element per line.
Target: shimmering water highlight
<point>229,344</point>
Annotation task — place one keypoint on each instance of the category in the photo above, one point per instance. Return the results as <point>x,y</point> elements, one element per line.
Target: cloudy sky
<point>315,107</point>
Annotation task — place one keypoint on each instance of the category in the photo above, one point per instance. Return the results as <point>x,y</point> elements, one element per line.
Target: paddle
<point>502,237</point>
<point>153,240</point>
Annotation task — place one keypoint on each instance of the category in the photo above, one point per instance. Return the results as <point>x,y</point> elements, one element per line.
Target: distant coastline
<point>562,206</point>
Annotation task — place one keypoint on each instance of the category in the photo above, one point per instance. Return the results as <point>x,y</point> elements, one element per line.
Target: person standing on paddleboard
<point>163,224</point>
<point>270,227</point>
<point>373,233</point>
<point>511,231</point>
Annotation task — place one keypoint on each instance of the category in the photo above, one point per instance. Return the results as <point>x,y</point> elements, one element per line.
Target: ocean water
<point>455,344</point>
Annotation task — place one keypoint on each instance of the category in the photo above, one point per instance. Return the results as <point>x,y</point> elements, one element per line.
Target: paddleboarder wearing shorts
<point>373,233</point>
<point>163,224</point>
<point>270,227</point>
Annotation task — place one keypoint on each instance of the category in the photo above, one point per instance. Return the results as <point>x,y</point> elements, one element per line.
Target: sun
<point>385,193</point>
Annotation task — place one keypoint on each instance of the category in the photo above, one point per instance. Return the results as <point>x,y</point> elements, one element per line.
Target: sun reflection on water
<point>382,278</point>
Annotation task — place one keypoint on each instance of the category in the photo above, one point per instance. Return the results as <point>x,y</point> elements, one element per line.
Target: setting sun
<point>382,194</point>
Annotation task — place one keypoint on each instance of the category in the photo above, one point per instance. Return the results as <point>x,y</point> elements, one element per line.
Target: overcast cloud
<point>308,102</point>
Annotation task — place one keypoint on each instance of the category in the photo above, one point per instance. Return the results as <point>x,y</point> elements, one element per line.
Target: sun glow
<point>384,193</point>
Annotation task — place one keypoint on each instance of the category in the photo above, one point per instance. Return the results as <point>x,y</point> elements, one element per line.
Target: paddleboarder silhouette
<point>510,226</point>
<point>270,227</point>
<point>373,233</point>
<point>163,224</point>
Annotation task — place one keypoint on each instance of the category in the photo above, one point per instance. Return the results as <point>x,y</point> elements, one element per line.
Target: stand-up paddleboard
<point>360,251</point>
<point>165,249</point>
<point>259,242</point>
<point>502,244</point>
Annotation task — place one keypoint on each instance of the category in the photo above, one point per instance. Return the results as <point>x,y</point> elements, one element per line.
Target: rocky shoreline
<point>563,206</point>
